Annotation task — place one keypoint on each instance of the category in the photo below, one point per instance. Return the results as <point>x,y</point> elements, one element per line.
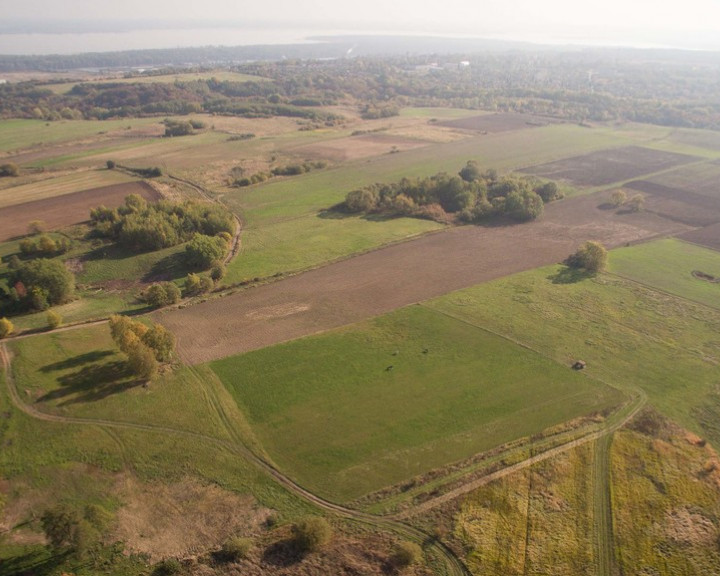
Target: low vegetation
<point>311,534</point>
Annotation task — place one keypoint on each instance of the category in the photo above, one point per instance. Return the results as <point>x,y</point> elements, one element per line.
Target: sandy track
<point>383,280</point>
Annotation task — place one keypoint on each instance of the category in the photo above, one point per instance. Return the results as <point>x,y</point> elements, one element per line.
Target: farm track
<point>623,418</point>
<point>602,508</point>
<point>454,566</point>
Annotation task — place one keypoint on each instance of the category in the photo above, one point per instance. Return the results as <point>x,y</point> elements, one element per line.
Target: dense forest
<point>672,89</point>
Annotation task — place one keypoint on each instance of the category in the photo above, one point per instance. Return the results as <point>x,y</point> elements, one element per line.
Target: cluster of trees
<point>145,347</point>
<point>473,195</point>
<point>619,199</point>
<point>44,245</point>
<point>289,170</point>
<point>141,226</point>
<point>182,127</point>
<point>36,285</point>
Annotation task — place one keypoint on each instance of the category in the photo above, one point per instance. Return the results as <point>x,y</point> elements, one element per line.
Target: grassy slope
<point>329,411</point>
<point>668,265</point>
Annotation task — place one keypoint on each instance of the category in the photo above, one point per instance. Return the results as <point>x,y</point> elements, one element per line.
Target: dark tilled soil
<point>608,166</point>
<point>498,122</point>
<point>61,211</point>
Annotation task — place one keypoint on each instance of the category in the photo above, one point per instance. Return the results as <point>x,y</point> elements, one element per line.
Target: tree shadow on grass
<point>110,252</point>
<point>283,554</point>
<point>335,213</point>
<point>169,268</point>
<point>568,275</point>
<point>38,562</point>
<point>78,360</point>
<point>91,383</point>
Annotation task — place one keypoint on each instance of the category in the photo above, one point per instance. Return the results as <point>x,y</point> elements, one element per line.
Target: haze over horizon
<point>693,25</point>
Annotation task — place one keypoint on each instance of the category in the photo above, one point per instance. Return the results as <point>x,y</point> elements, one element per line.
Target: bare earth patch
<point>389,278</point>
<point>182,519</point>
<point>354,147</point>
<point>61,211</point>
<point>608,166</point>
<point>686,527</point>
<point>501,122</point>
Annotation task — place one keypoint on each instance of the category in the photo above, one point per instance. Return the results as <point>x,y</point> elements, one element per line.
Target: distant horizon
<point>24,37</point>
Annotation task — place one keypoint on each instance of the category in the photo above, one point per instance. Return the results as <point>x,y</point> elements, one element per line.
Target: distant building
<point>3,81</point>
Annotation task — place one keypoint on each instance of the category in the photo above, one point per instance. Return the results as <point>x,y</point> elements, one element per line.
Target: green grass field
<point>668,265</point>
<point>331,413</point>
<point>16,134</point>
<point>266,250</point>
<point>629,335</point>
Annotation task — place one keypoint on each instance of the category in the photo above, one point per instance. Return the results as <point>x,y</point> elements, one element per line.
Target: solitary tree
<point>618,198</point>
<point>591,256</point>
<point>405,554</point>
<point>636,203</point>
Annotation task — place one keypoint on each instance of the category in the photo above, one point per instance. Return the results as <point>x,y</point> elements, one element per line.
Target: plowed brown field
<point>392,277</point>
<point>501,122</point>
<point>608,166</point>
<point>67,209</point>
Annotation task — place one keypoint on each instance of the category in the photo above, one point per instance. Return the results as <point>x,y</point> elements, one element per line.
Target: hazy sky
<point>634,19</point>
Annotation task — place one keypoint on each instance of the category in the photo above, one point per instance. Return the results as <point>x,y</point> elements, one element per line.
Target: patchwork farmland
<point>400,377</point>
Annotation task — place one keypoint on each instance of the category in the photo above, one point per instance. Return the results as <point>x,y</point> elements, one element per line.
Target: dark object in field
<point>579,365</point>
<point>389,368</point>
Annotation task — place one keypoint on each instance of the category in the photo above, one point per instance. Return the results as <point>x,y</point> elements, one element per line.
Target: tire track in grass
<point>602,508</point>
<point>434,548</point>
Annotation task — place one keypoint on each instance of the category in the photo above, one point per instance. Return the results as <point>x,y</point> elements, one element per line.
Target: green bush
<point>168,567</point>
<point>311,533</point>
<point>9,170</point>
<point>236,548</point>
<point>53,319</point>
<point>6,328</point>
<point>162,294</point>
<point>405,554</point>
